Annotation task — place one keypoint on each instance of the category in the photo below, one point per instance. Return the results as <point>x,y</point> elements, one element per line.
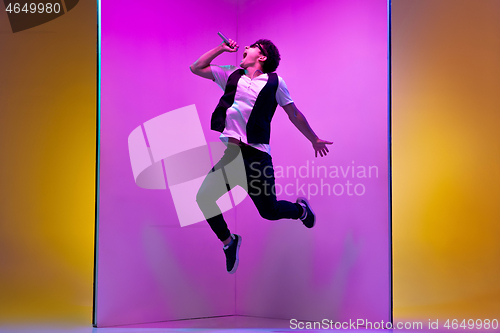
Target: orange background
<point>47,163</point>
<point>446,162</point>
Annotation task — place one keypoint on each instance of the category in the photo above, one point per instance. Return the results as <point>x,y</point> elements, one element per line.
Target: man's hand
<point>232,47</point>
<point>320,146</point>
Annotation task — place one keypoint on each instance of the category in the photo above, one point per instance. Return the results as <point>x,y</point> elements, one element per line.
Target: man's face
<point>251,56</point>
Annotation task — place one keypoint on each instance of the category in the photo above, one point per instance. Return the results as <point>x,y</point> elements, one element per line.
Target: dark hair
<point>273,55</point>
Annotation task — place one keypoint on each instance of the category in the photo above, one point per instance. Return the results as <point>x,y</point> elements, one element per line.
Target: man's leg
<point>261,187</point>
<point>213,187</point>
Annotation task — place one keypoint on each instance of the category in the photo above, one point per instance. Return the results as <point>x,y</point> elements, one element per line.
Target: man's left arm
<point>298,119</point>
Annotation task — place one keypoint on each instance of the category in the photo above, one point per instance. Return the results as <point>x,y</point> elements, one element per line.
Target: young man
<point>243,115</point>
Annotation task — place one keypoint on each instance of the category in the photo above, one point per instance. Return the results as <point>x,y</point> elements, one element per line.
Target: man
<point>243,116</point>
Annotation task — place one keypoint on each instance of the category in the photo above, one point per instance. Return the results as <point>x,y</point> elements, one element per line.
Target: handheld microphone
<point>224,38</point>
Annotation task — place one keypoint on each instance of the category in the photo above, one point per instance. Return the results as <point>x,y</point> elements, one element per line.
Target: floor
<point>227,324</point>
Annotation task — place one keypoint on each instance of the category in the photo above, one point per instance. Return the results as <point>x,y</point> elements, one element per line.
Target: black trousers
<point>259,182</point>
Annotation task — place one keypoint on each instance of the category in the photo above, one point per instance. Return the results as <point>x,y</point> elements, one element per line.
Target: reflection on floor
<point>226,324</point>
<point>222,322</point>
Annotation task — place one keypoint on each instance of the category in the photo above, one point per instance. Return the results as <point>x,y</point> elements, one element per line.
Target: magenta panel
<point>334,61</point>
<point>149,267</point>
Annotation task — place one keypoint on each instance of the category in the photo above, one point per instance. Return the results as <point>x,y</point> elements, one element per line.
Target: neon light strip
<point>98,153</point>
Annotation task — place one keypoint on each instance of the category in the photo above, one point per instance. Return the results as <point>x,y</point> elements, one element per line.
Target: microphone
<point>224,38</point>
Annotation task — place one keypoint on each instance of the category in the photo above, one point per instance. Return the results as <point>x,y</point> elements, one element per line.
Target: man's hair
<point>273,55</point>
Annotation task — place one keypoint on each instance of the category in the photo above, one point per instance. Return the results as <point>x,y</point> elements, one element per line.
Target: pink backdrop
<point>334,61</point>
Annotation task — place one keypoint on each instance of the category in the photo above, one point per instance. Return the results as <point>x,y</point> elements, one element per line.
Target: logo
<point>28,14</point>
<point>170,150</point>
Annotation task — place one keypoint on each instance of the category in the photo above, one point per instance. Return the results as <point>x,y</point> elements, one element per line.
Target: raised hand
<point>320,147</point>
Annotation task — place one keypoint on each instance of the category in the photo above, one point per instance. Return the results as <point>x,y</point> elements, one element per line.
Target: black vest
<point>259,122</point>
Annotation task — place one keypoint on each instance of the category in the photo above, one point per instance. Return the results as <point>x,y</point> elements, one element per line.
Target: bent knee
<point>202,196</point>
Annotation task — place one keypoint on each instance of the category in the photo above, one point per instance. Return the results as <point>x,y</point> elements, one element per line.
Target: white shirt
<point>248,90</point>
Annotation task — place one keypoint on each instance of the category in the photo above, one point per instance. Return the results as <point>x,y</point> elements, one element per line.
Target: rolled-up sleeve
<point>221,74</point>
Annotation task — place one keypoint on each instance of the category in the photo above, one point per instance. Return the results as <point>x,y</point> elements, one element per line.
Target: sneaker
<point>232,254</point>
<point>309,219</point>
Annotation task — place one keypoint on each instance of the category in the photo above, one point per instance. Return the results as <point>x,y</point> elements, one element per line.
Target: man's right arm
<point>201,67</point>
